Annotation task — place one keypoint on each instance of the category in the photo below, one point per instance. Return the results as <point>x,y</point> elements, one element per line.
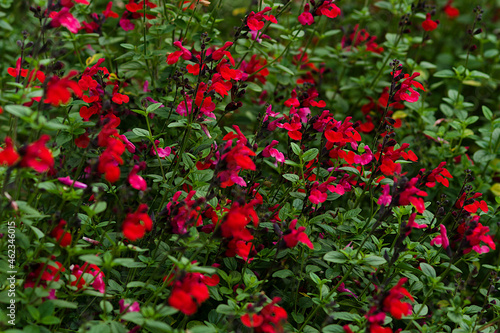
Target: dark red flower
<point>63,237</point>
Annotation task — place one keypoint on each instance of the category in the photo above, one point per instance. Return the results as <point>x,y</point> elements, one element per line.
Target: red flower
<point>429,24</point>
<point>136,224</point>
<point>475,233</point>
<point>473,207</point>
<point>63,237</point>
<point>189,292</point>
<point>406,86</point>
<point>269,320</point>
<point>43,274</point>
<point>8,155</point>
<point>59,89</point>
<point>82,141</point>
<point>328,9</point>
<point>120,98</point>
<point>451,11</point>
<point>254,20</point>
<point>293,236</point>
<point>392,303</point>
<point>37,156</point>
<point>108,12</point>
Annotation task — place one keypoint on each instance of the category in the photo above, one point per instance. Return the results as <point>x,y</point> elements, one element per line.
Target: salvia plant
<point>250,166</point>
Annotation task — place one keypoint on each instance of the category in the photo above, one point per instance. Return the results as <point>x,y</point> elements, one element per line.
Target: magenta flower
<point>317,197</point>
<point>135,180</point>
<point>306,17</point>
<point>442,239</point>
<point>127,307</point>
<point>385,199</point>
<point>66,19</point>
<point>269,151</point>
<point>70,182</point>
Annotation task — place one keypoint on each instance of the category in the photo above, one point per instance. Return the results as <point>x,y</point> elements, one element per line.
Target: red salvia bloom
<point>108,12</point>
<point>37,156</point>
<point>189,292</point>
<point>328,9</point>
<point>293,236</point>
<point>136,224</point>
<point>429,24</point>
<point>44,273</point>
<point>450,11</point>
<point>475,233</point>
<point>269,320</point>
<point>8,155</point>
<point>59,89</point>
<point>255,20</point>
<point>63,237</point>
<point>406,86</point>
<point>392,303</point>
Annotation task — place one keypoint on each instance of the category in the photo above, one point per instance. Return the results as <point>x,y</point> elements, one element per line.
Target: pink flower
<point>66,19</point>
<point>125,23</point>
<point>317,197</point>
<point>269,151</point>
<point>306,17</point>
<point>412,224</point>
<point>442,239</point>
<point>126,307</point>
<point>135,180</point>
<point>70,182</point>
<point>385,199</point>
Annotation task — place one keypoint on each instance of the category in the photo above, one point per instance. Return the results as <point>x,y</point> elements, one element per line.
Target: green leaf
<point>18,110</point>
<point>282,274</point>
<point>285,69</point>
<point>445,73</point>
<point>50,320</point>
<point>334,328</point>
<point>141,132</point>
<point>336,257</point>
<point>153,107</point>
<point>127,46</point>
<point>310,154</point>
<point>291,177</point>
<point>374,260</point>
<point>428,270</point>
<point>59,303</point>
<point>91,259</point>
<point>296,149</point>
<point>134,317</point>
<point>487,112</point>
<point>347,316</point>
